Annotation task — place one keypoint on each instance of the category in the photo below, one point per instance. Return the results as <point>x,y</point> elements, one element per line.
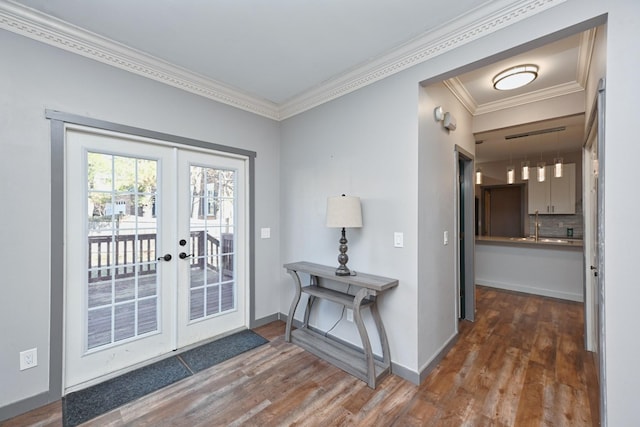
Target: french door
<point>155,251</point>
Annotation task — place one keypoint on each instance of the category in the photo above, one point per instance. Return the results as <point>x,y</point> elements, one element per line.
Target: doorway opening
<point>465,219</point>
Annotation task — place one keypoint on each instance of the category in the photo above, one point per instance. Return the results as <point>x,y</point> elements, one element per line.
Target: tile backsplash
<point>557,225</point>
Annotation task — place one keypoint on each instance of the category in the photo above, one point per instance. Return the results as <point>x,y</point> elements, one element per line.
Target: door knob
<point>167,257</point>
<point>183,255</point>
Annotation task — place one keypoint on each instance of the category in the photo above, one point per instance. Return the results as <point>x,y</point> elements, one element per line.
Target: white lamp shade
<point>344,211</point>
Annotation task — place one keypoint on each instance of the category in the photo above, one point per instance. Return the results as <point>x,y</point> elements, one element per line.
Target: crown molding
<point>47,29</point>
<point>462,94</point>
<point>587,41</point>
<point>527,98</point>
<point>490,17</point>
<point>468,102</point>
<point>585,53</point>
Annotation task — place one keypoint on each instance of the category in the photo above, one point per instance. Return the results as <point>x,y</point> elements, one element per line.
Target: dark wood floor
<point>521,364</point>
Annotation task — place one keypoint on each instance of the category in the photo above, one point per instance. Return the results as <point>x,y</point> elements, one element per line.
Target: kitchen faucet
<point>537,225</point>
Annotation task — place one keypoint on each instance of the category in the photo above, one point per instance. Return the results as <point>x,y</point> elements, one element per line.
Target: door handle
<point>166,257</point>
<point>183,255</point>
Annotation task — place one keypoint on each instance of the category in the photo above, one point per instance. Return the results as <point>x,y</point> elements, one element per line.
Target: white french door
<point>155,251</point>
<point>211,246</point>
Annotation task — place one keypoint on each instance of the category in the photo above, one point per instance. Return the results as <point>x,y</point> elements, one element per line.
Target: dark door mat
<point>210,354</point>
<point>83,405</point>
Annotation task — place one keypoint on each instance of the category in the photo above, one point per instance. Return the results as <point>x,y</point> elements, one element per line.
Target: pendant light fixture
<point>525,170</point>
<point>557,167</point>
<point>557,162</point>
<point>511,170</point>
<point>511,175</point>
<point>478,176</point>
<point>541,170</point>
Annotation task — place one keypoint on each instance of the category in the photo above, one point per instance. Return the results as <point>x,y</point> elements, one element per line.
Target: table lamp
<point>343,212</point>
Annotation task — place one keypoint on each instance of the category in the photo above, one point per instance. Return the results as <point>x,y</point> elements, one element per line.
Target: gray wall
<point>377,126</point>
<point>362,144</point>
<point>365,143</point>
<point>437,273</point>
<point>35,77</point>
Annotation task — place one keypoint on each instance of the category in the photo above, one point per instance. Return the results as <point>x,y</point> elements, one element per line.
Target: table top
<point>369,281</point>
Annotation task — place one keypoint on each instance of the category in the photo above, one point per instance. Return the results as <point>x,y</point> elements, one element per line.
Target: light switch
<point>265,233</point>
<point>398,240</point>
<point>445,238</point>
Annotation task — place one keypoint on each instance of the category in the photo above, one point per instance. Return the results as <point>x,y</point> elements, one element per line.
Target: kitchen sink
<point>545,240</point>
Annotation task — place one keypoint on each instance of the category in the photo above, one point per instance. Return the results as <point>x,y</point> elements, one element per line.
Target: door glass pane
<point>121,231</point>
<point>213,300</point>
<point>211,224</point>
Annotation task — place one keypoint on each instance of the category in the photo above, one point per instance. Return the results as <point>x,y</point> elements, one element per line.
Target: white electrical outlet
<point>265,233</point>
<point>349,315</point>
<point>28,359</point>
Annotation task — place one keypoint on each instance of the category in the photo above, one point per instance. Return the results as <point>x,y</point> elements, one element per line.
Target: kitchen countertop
<point>530,241</point>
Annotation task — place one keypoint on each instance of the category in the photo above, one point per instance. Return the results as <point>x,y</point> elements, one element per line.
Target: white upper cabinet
<point>554,195</point>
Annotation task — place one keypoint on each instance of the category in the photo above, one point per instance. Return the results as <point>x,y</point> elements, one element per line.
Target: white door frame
<point>597,322</point>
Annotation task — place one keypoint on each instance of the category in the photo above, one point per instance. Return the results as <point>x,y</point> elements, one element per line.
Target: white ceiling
<point>563,67</point>
<point>273,49</point>
<point>280,57</point>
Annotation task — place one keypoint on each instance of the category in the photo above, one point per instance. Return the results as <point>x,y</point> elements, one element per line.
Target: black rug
<point>210,354</point>
<point>83,405</point>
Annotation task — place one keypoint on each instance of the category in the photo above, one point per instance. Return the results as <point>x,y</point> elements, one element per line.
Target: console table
<point>359,363</point>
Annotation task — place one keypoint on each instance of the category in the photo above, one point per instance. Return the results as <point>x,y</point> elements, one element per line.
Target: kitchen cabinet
<point>554,195</point>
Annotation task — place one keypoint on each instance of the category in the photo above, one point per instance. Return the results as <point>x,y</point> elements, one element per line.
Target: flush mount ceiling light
<point>515,77</point>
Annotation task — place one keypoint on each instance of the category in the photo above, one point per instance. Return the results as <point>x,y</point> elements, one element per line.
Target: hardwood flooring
<point>521,364</point>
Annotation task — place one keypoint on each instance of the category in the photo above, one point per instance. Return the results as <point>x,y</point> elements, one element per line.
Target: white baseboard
<point>532,290</point>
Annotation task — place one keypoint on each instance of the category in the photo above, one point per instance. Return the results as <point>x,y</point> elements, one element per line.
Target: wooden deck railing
<point>130,251</point>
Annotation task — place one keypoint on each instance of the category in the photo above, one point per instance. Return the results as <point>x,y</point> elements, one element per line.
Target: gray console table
<point>359,363</point>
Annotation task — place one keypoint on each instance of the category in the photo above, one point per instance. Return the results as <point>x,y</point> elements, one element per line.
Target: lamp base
<point>343,258</point>
<point>343,271</point>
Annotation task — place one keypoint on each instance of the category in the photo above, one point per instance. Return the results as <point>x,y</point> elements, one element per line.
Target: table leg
<point>294,303</point>
<point>382,334</point>
<point>364,336</point>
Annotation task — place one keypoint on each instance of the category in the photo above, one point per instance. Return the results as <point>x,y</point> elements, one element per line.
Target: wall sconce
<point>344,212</point>
<point>447,119</point>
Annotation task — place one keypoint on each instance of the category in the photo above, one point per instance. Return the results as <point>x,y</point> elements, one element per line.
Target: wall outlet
<point>349,315</point>
<point>28,359</point>
<point>265,233</point>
